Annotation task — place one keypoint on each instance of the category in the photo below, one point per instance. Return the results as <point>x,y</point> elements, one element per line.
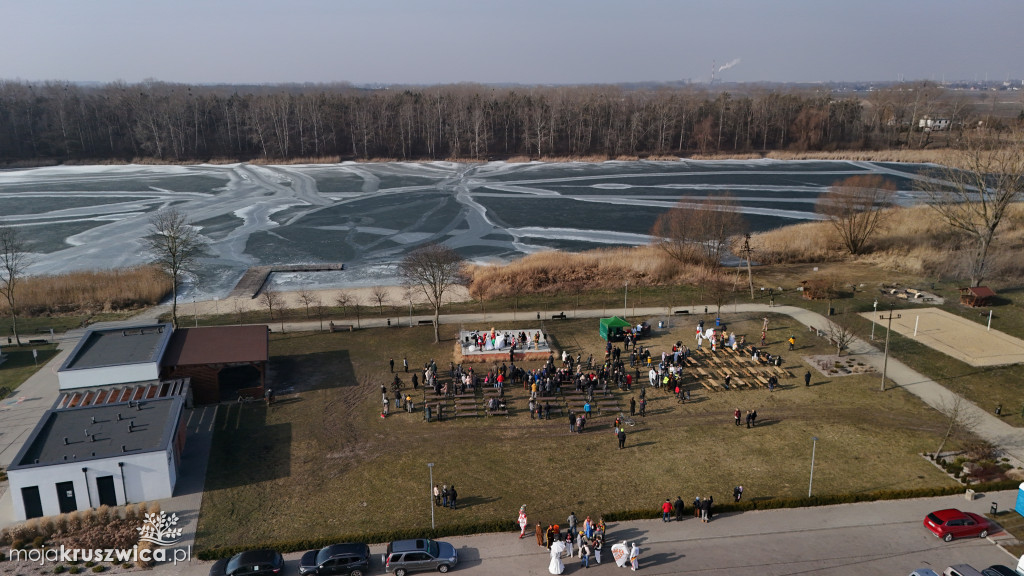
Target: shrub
<point>17,544</point>
<point>38,542</point>
<point>74,570</point>
<point>59,569</point>
<point>90,564</point>
<point>99,568</point>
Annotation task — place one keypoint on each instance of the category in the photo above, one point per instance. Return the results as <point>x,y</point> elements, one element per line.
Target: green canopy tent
<point>613,328</point>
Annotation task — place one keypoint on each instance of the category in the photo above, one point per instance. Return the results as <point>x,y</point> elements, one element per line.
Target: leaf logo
<point>159,529</point>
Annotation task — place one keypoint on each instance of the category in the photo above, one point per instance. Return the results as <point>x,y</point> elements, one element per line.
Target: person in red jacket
<point>666,511</point>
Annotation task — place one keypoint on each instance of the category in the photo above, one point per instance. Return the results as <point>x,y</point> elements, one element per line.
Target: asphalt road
<point>844,540</point>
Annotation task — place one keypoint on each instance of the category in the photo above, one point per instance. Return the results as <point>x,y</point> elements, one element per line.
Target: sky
<point>521,41</point>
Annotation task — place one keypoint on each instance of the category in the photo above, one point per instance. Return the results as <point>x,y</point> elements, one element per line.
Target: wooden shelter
<point>976,296</point>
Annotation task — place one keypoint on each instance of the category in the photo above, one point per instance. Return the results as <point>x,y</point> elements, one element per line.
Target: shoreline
<point>398,295</point>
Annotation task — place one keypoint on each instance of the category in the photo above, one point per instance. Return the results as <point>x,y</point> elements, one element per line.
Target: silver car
<point>404,556</point>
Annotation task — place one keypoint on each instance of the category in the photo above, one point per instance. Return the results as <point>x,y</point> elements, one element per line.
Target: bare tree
<point>318,306</point>
<point>434,269</point>
<point>841,332</point>
<point>271,299</point>
<point>381,295</point>
<point>14,260</point>
<point>175,244</point>
<point>855,207</point>
<point>973,193</point>
<point>960,420</point>
<point>343,299</point>
<point>698,233</point>
<point>307,297</point>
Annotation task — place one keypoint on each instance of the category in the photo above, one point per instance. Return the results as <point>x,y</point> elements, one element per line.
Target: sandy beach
<point>364,296</point>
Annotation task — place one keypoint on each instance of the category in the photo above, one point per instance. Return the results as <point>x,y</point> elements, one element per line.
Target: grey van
<point>404,556</point>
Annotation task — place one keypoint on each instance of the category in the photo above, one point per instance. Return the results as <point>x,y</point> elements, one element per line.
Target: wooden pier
<point>254,278</point>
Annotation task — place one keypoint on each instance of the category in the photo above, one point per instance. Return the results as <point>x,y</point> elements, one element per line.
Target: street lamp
<point>885,360</point>
<point>625,298</point>
<point>430,493</point>
<point>814,445</point>
<point>873,322</point>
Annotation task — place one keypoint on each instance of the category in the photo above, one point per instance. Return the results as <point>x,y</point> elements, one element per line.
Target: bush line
<point>463,529</point>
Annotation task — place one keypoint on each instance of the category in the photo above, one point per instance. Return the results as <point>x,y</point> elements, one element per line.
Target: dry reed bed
<point>93,290</point>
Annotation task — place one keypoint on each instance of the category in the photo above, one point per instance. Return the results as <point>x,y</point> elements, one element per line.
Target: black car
<point>336,560</point>
<point>250,563</point>
<point>999,570</point>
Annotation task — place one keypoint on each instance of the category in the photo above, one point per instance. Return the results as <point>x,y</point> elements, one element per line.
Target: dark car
<point>347,559</point>
<point>952,523</point>
<point>999,570</point>
<point>404,556</point>
<point>250,563</point>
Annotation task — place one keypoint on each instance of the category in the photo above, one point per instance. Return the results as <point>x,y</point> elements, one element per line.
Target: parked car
<point>924,572</point>
<point>999,570</point>
<point>404,556</point>
<point>348,559</point>
<point>952,523</point>
<point>250,563</point>
<point>961,570</point>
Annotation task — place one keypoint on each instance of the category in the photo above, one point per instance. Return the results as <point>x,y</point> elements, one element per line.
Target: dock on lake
<point>255,277</point>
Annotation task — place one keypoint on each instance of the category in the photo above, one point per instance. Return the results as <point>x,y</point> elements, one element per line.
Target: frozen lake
<point>369,215</point>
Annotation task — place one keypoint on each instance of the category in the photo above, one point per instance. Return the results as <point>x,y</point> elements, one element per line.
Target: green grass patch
<point>20,364</point>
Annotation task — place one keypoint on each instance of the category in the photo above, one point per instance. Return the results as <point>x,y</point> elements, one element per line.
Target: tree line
<point>60,121</point>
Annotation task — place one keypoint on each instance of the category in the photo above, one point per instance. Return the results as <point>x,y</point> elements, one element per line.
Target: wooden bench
<point>705,384</point>
<point>739,382</point>
<point>466,413</point>
<point>782,372</point>
<point>681,312</point>
<point>339,327</point>
<point>558,316</point>
<point>425,323</point>
<point>497,413</point>
<point>762,379</point>
<point>715,384</point>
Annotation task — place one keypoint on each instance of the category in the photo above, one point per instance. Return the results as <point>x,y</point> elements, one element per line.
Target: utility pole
<point>873,322</point>
<point>430,492</point>
<point>814,446</point>
<point>885,361</point>
<point>750,274</point>
<point>625,298</point>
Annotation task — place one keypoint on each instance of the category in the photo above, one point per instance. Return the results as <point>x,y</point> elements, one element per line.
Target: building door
<point>33,504</point>
<point>66,497</point>
<point>105,487</point>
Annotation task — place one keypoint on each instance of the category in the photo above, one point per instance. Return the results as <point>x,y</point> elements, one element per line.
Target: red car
<point>952,523</point>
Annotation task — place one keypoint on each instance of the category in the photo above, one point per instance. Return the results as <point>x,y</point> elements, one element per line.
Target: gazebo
<point>976,296</point>
<point>614,328</point>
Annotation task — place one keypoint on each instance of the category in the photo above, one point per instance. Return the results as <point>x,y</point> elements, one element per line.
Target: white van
<point>961,570</point>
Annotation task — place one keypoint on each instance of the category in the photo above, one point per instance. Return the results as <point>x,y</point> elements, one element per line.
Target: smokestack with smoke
<point>728,64</point>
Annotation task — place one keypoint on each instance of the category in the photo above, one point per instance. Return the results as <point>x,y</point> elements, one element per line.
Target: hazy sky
<point>524,41</point>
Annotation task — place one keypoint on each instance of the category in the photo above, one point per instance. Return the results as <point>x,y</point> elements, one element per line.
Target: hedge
<point>466,528</point>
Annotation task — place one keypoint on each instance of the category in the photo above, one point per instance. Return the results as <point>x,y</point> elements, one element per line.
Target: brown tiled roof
<point>982,291</point>
<point>217,345</point>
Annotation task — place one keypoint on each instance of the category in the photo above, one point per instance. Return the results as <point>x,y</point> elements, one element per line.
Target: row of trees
<point>174,122</point>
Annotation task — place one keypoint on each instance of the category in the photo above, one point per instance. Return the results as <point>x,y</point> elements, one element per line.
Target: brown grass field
<point>327,461</point>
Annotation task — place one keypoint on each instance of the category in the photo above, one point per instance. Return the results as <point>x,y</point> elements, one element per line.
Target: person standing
<point>705,507</point>
<point>584,553</point>
<point>632,406</point>
<point>807,378</point>
<point>634,557</point>
<point>571,521</point>
<point>711,506</point>
<point>452,496</point>
<point>753,418</point>
<point>737,493</point>
<point>598,545</point>
<point>696,507</point>
<point>391,364</point>
<point>643,406</point>
<point>666,511</point>
<point>622,438</point>
<point>523,522</point>
<point>680,507</point>
<point>572,421</point>
<point>568,544</point>
<point>445,494</point>
<point>736,415</point>
<point>405,364</point>
<point>540,534</point>
<point>533,408</point>
<point>792,342</point>
<point>749,420</point>
<point>437,495</point>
